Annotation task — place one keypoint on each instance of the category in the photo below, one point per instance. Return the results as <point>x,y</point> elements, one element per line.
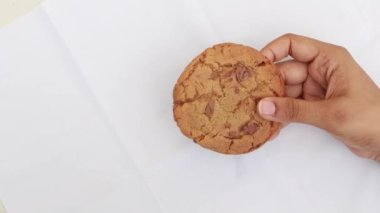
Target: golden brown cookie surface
<point>215,98</point>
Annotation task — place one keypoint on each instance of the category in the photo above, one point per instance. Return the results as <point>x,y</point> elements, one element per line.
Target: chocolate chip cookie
<point>215,98</point>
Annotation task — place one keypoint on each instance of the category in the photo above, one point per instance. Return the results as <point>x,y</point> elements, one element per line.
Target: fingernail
<point>267,107</point>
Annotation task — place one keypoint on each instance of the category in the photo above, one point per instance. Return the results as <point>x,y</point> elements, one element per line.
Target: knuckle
<point>288,36</point>
<point>291,109</point>
<point>341,50</point>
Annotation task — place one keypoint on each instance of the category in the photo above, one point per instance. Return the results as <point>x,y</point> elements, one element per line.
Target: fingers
<point>312,90</point>
<point>293,110</point>
<point>293,91</point>
<point>298,82</point>
<point>293,72</point>
<point>301,48</point>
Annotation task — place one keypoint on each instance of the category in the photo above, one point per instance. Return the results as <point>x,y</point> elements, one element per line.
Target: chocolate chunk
<point>242,73</point>
<point>209,110</point>
<point>250,128</point>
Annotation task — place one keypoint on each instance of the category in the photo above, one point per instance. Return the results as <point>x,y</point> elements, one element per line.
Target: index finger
<point>301,48</point>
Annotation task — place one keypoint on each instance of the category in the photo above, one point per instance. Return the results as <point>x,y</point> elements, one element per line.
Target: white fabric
<point>86,110</point>
<point>2,208</point>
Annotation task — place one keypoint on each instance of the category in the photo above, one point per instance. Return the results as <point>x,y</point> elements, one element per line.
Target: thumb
<point>292,110</point>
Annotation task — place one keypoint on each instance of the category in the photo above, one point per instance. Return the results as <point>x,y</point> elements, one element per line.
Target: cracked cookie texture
<point>215,98</point>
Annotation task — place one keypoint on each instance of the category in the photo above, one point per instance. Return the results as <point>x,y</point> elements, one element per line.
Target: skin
<point>326,88</point>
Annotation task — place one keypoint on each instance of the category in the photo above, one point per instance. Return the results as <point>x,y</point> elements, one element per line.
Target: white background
<point>86,110</point>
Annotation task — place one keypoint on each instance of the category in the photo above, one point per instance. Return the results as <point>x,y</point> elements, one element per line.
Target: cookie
<point>215,98</point>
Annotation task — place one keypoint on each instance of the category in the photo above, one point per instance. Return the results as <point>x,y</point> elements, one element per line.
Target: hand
<point>328,89</point>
